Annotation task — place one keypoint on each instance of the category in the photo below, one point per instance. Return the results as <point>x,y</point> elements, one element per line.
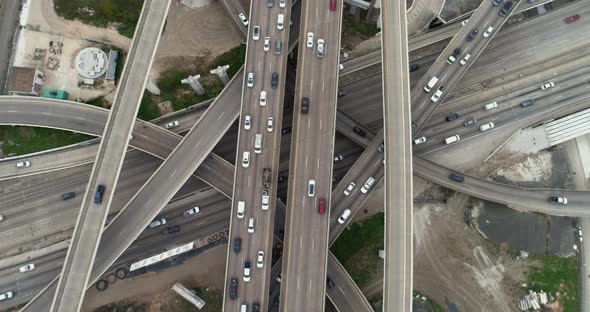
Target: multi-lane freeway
<point>446,178</point>
<point>257,157</point>
<point>312,144</point>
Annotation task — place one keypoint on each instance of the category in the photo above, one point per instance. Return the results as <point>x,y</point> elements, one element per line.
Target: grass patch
<point>24,140</point>
<point>557,275</point>
<point>434,306</point>
<point>357,248</point>
<point>362,28</point>
<point>102,13</point>
<point>182,95</point>
<point>122,307</point>
<point>99,101</point>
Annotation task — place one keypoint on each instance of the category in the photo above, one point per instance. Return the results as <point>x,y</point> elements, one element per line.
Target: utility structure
<point>221,71</point>
<point>193,81</point>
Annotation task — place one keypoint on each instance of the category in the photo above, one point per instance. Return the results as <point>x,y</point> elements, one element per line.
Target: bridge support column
<point>193,81</point>
<point>221,71</point>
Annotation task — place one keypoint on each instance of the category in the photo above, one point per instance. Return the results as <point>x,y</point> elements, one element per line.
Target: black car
<point>304,105</point>
<point>274,81</point>
<point>470,122</point>
<point>457,177</point>
<point>527,103</point>
<point>506,8</point>
<point>255,307</point>
<point>233,289</point>
<point>453,116</point>
<point>414,125</point>
<point>330,282</point>
<point>99,193</point>
<point>414,67</point>
<point>359,131</point>
<point>237,245</point>
<point>341,93</point>
<point>282,178</point>
<point>286,130</point>
<point>496,2</point>
<point>170,230</point>
<point>68,195</point>
<point>472,34</point>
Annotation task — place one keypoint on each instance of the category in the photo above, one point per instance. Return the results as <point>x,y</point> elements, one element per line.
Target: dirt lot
<point>204,270</point>
<point>453,261</point>
<point>194,36</point>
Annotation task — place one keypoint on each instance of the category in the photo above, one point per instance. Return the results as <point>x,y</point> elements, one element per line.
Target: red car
<point>571,19</point>
<point>322,205</point>
<point>332,5</point>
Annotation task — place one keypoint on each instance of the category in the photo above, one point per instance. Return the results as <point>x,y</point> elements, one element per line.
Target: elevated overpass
<point>398,190</point>
<point>109,160</point>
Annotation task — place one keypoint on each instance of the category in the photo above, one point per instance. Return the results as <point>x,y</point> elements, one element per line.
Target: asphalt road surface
<point>9,14</point>
<point>312,149</point>
<point>398,268</point>
<point>265,124</point>
<point>111,153</point>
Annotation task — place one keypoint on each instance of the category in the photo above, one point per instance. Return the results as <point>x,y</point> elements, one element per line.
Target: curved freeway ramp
<point>72,116</point>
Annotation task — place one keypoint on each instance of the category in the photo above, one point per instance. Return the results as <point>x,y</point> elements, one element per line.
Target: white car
<point>311,188</point>
<point>488,32</point>
<point>269,124</point>
<point>548,85</point>
<point>23,164</point>
<point>173,124</point>
<point>246,159</point>
<point>247,122</point>
<point>192,211</point>
<point>463,23</point>
<point>486,127</point>
<point>437,95</point>
<point>262,98</point>
<point>319,52</point>
<point>490,106</point>
<point>250,81</point>
<point>266,44</point>
<point>247,271</point>
<point>265,199</point>
<point>243,18</point>
<point>344,216</point>
<point>260,259</point>
<point>256,33</point>
<point>349,189</point>
<point>310,39</point>
<point>282,4</point>
<point>6,295</point>
<point>465,59</point>
<point>420,140</point>
<point>251,225</point>
<point>27,268</point>
<point>157,223</point>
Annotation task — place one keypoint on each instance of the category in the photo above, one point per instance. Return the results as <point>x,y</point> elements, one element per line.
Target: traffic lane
<point>40,210</point>
<point>423,110</point>
<point>504,194</point>
<point>233,9</point>
<point>265,61</point>
<point>345,295</point>
<point>306,147</point>
<point>421,101</point>
<point>543,109</point>
<point>356,198</point>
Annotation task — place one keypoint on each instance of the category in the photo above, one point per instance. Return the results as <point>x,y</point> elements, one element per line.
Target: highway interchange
<point>373,157</point>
